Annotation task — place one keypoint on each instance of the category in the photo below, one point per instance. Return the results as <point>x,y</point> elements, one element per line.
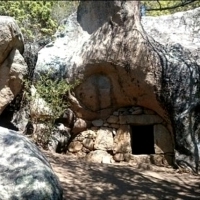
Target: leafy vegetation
<point>37,19</point>
<point>53,92</point>
<point>156,8</point>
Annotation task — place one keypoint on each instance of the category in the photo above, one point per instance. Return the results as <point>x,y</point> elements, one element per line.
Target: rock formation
<point>120,67</point>
<point>12,65</point>
<point>25,172</point>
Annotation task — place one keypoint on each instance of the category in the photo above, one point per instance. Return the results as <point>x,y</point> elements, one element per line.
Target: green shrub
<point>167,4</point>
<point>54,92</point>
<point>40,18</point>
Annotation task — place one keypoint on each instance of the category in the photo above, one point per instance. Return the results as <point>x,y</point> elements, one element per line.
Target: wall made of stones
<point>109,141</point>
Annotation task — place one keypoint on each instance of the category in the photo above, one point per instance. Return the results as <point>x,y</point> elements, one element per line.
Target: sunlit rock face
<point>25,172</point>
<point>12,65</point>
<point>181,27</point>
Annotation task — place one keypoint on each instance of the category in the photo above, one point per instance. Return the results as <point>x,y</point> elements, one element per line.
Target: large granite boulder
<point>181,27</point>
<point>119,65</point>
<point>25,172</point>
<point>12,65</point>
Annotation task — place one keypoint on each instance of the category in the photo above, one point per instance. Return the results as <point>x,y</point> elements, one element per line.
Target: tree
<point>160,7</point>
<point>37,19</point>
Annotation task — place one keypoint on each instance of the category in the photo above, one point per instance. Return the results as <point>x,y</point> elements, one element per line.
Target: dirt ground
<point>92,181</point>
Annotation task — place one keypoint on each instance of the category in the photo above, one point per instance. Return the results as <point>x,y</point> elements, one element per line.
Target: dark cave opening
<point>142,140</point>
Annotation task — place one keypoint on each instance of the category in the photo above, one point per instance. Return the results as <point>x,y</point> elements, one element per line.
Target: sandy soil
<point>92,181</point>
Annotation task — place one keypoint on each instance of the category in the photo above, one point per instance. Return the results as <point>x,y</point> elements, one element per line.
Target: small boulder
<point>79,125</point>
<point>75,146</point>
<point>98,122</point>
<point>99,156</point>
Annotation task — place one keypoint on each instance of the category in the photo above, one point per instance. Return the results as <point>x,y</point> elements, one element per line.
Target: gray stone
<point>104,139</point>
<point>98,122</point>
<point>179,27</point>
<point>25,172</point>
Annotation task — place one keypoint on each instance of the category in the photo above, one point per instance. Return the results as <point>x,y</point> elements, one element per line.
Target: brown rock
<point>113,119</point>
<point>12,65</point>
<point>160,160</point>
<point>79,125</point>
<point>118,157</point>
<point>88,143</point>
<point>115,126</point>
<point>122,140</point>
<point>98,122</point>
<point>75,146</point>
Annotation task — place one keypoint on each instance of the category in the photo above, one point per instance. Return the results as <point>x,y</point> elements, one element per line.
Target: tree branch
<point>182,4</point>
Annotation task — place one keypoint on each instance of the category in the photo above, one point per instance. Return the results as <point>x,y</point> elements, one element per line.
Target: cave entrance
<point>142,140</point>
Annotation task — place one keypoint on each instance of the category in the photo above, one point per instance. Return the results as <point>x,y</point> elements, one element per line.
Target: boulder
<point>25,172</point>
<point>75,146</point>
<point>104,139</point>
<point>99,156</point>
<point>119,65</point>
<point>181,27</point>
<point>79,125</point>
<point>12,65</point>
<point>88,143</point>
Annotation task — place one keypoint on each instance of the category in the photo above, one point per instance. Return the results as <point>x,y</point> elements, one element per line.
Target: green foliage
<point>54,92</point>
<point>160,5</point>
<point>37,19</point>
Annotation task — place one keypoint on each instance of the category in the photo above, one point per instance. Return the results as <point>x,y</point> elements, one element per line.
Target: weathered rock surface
<point>25,172</point>
<point>75,146</point>
<point>122,140</point>
<point>12,65</point>
<point>181,27</point>
<point>59,139</point>
<point>99,156</point>
<point>118,65</point>
<point>104,139</point>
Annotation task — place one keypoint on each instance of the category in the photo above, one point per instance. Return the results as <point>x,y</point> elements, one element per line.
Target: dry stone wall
<point>110,140</point>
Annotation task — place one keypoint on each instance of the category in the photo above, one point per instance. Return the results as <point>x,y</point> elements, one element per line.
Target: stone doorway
<point>142,140</point>
<point>131,134</point>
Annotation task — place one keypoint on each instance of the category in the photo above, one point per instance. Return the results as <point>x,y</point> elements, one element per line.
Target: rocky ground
<point>83,180</point>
